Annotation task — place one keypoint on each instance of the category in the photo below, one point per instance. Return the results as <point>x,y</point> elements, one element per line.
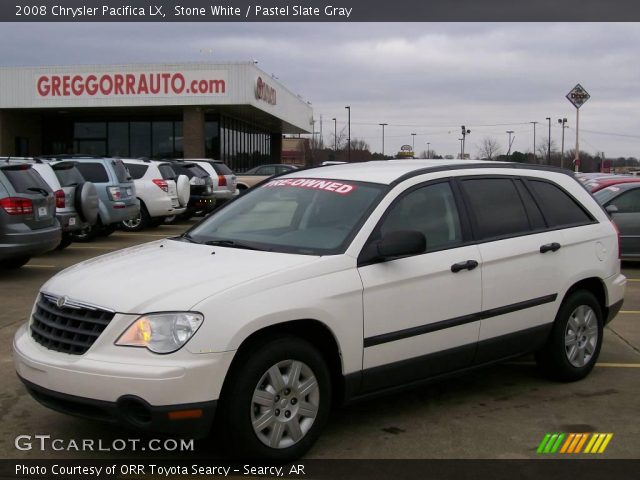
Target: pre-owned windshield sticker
<point>314,184</point>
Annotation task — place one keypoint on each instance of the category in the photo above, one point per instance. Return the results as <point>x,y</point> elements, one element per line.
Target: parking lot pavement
<point>500,412</point>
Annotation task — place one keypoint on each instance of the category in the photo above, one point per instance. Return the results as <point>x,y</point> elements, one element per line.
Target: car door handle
<point>468,265</point>
<point>550,247</point>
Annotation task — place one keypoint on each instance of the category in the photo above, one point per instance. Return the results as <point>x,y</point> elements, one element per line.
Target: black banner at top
<point>319,11</point>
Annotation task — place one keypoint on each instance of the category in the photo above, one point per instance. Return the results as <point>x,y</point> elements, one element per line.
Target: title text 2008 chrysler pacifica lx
<point>326,285</point>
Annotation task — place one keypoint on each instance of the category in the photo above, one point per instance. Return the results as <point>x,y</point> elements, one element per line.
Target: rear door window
<point>628,202</point>
<point>93,172</point>
<point>497,207</point>
<point>560,209</point>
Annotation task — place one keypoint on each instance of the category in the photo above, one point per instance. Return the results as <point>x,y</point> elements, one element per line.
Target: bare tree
<point>489,148</point>
<point>340,140</point>
<point>359,144</point>
<point>543,149</point>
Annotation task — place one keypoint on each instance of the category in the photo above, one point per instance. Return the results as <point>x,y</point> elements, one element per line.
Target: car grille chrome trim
<point>67,326</point>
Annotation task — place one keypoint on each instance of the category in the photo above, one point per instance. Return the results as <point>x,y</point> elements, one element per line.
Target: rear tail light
<point>618,234</point>
<point>60,201</point>
<point>222,181</point>
<point>161,184</point>
<point>114,193</point>
<point>17,206</point>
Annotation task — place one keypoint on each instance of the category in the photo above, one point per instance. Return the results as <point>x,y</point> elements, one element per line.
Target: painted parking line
<point>129,234</point>
<point>602,364</point>
<point>633,279</point>
<point>42,266</point>
<point>90,247</point>
<point>629,312</point>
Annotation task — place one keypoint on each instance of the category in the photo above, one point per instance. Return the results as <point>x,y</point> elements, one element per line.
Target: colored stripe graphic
<point>573,443</point>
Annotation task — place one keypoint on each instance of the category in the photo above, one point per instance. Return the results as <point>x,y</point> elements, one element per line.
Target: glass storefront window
<point>140,139</point>
<point>118,139</point>
<point>162,139</point>
<point>178,137</point>
<point>90,130</point>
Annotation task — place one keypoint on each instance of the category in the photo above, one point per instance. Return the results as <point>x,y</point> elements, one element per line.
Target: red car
<point>598,184</point>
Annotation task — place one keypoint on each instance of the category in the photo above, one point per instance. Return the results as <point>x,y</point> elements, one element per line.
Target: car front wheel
<point>575,340</point>
<point>277,401</point>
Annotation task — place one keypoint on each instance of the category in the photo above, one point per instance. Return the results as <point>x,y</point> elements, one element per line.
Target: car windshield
<point>292,215</point>
<point>606,194</point>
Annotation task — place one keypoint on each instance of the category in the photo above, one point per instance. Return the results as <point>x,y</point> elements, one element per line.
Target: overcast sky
<point>419,78</point>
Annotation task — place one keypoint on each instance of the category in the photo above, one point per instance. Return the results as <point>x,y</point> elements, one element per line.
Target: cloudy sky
<point>423,78</point>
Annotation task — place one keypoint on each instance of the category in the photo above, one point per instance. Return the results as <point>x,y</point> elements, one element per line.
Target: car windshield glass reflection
<point>295,215</point>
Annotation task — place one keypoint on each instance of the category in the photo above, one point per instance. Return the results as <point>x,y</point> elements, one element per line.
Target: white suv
<point>157,189</point>
<point>326,285</point>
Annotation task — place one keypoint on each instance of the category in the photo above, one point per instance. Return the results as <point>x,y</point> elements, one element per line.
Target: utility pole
<point>510,132</point>
<point>461,147</point>
<point>335,135</point>
<point>535,157</point>
<point>549,145</point>
<point>465,132</point>
<point>562,121</point>
<point>413,143</point>
<point>348,134</point>
<point>321,136</point>
<point>428,149</point>
<point>383,125</point>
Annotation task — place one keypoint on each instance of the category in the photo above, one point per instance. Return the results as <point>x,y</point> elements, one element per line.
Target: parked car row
<point>50,201</point>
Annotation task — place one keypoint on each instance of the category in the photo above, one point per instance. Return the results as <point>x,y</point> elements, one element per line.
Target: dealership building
<point>229,111</point>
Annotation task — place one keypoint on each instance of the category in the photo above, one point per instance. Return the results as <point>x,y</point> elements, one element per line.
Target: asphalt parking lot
<point>502,412</point>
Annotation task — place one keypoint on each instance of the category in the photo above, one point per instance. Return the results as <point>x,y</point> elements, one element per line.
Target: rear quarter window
<point>93,172</point>
<point>68,175</point>
<point>558,207</point>
<point>137,171</point>
<point>222,169</point>
<point>121,171</point>
<point>167,172</point>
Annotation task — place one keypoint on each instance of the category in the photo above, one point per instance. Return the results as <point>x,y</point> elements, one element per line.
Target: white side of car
<point>283,332</point>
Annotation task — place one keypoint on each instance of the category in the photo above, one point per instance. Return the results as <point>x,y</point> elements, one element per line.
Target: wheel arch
<point>313,331</point>
<point>594,285</point>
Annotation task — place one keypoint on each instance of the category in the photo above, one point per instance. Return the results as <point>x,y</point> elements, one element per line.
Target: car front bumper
<point>174,393</point>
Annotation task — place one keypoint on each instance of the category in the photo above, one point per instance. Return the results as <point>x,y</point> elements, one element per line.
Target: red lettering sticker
<point>313,184</point>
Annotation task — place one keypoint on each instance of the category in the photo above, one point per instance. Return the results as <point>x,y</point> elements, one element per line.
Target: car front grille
<point>67,326</point>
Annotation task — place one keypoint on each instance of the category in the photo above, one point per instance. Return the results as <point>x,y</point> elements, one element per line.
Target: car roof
<point>393,171</point>
<point>613,181</point>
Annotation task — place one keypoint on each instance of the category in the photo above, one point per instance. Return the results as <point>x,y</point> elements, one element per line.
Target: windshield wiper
<point>186,237</point>
<point>232,244</point>
<point>41,191</point>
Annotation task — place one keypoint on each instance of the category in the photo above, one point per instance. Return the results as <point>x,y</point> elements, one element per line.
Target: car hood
<point>166,275</point>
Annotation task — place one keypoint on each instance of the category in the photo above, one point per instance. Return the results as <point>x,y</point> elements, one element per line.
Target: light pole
<point>549,144</point>
<point>534,141</point>
<point>383,125</point>
<point>461,147</point>
<point>465,132</point>
<point>413,143</point>
<point>510,132</point>
<point>562,121</point>
<point>428,150</point>
<point>335,135</point>
<point>348,134</point>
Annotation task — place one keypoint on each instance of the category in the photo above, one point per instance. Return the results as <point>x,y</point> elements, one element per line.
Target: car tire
<point>265,414</point>
<point>86,234</point>
<point>86,202</point>
<point>106,230</point>
<point>574,344</point>
<point>139,222</point>
<point>13,263</point>
<point>65,241</point>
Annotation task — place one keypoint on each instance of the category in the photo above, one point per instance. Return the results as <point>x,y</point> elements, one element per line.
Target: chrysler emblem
<point>61,302</point>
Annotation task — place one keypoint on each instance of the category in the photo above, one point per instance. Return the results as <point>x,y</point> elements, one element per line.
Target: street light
<point>428,149</point>
<point>549,146</point>
<point>335,135</point>
<point>465,132</point>
<point>461,148</point>
<point>562,121</point>
<point>510,132</point>
<point>383,125</point>
<point>413,143</point>
<point>534,141</point>
<point>348,134</point>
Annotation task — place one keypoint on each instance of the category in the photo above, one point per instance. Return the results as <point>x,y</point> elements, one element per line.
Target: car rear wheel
<point>574,344</point>
<point>141,221</point>
<point>14,262</point>
<point>277,401</point>
<point>65,241</point>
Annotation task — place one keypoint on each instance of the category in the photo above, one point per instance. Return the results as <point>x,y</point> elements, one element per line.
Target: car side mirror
<point>394,245</point>
<point>612,209</point>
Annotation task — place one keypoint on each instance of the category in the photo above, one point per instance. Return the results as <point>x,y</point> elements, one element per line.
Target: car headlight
<point>161,332</point>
